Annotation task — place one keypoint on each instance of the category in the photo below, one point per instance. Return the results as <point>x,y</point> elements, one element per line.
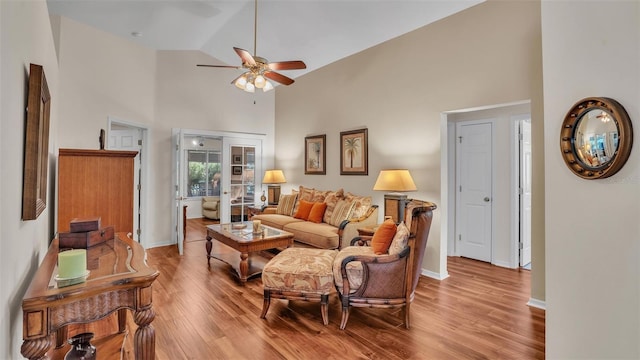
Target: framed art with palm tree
<point>315,162</point>
<point>354,152</point>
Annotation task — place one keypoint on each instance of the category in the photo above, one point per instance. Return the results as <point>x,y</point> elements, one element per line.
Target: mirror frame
<point>567,137</point>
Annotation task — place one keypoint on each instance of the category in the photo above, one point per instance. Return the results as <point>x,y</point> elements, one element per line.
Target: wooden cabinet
<point>95,183</point>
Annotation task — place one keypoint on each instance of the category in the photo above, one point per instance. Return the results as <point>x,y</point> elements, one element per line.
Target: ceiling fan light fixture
<point>260,81</point>
<point>241,83</point>
<point>249,87</point>
<point>267,86</point>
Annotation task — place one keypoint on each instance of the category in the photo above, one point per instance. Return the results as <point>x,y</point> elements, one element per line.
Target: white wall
<point>485,55</point>
<point>592,226</point>
<point>25,37</point>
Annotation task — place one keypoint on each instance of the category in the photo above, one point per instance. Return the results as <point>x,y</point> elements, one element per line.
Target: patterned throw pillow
<point>285,204</point>
<point>341,212</point>
<point>331,200</point>
<point>317,211</point>
<point>383,236</point>
<point>303,210</point>
<point>362,204</point>
<point>305,194</point>
<point>400,239</point>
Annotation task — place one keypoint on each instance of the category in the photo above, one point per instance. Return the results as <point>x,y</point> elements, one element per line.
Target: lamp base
<point>394,206</point>
<point>274,194</point>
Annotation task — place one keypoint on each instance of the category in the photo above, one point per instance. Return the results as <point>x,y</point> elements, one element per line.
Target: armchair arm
<point>376,270</point>
<point>349,228</point>
<point>269,210</point>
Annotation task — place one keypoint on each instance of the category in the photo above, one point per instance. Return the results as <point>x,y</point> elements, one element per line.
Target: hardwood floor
<point>202,312</point>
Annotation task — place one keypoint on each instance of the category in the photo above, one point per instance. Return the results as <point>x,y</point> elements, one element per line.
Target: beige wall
<point>593,231</point>
<point>25,38</point>
<point>488,54</point>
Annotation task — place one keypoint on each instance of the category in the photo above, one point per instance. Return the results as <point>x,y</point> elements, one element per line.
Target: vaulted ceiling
<point>317,32</point>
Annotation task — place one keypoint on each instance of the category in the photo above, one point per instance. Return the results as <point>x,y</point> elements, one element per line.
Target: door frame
<point>140,208</point>
<point>176,234</point>
<point>516,214</point>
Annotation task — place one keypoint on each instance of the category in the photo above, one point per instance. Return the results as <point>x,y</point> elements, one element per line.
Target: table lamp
<point>273,178</point>
<point>397,181</point>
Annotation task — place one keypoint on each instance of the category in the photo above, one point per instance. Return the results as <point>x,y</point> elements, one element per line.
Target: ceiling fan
<point>258,68</point>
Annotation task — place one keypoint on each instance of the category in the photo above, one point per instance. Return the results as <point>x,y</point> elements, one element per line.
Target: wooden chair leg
<point>345,317</point>
<point>324,308</point>
<point>266,303</point>
<point>406,315</point>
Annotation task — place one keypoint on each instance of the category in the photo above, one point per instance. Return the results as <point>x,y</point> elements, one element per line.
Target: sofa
<point>210,207</point>
<point>332,221</point>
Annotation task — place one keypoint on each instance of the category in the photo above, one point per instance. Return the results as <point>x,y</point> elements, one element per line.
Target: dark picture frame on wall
<point>237,159</point>
<point>315,155</point>
<point>36,146</point>
<point>354,152</point>
<point>236,170</point>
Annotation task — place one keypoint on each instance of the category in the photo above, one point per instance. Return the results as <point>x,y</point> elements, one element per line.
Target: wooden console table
<point>119,279</point>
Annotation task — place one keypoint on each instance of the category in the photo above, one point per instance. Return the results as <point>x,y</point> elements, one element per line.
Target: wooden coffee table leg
<point>244,267</point>
<point>208,245</point>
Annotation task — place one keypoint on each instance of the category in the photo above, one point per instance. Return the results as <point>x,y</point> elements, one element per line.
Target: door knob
<point>486,199</point>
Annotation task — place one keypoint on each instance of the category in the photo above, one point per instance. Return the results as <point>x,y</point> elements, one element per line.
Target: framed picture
<point>237,159</point>
<point>354,152</point>
<point>36,147</point>
<point>236,170</point>
<point>315,161</point>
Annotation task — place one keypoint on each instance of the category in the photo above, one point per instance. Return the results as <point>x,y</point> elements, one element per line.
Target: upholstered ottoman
<point>299,274</point>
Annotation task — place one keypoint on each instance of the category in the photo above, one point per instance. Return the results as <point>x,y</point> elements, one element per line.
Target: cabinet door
<point>94,183</point>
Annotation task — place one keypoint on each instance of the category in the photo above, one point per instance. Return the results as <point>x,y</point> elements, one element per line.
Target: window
<point>203,173</point>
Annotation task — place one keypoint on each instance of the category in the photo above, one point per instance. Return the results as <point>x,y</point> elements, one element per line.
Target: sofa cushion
<point>286,204</point>
<point>304,208</point>
<point>317,212</point>
<point>341,212</point>
<point>383,236</point>
<point>275,220</point>
<point>400,239</point>
<point>362,204</point>
<point>332,200</point>
<point>320,235</point>
<point>306,194</point>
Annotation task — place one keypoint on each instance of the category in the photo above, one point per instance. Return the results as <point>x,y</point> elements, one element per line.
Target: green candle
<point>72,263</point>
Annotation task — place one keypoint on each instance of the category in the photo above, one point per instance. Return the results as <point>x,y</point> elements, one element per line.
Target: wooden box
<point>83,240</point>
<point>85,224</point>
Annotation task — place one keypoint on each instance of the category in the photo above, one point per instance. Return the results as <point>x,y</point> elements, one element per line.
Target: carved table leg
<point>244,267</point>
<point>36,348</point>
<point>145,337</point>
<point>208,245</point>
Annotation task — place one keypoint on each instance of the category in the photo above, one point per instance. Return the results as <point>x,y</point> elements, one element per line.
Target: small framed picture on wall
<point>315,161</point>
<point>354,152</point>
<point>237,159</point>
<point>236,170</point>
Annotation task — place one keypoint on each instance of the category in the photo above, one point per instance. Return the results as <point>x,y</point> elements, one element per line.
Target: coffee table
<point>241,239</point>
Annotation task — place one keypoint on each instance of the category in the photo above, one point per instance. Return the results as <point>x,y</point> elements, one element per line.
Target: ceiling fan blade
<point>287,65</point>
<point>278,77</point>
<point>246,56</point>
<point>220,66</point>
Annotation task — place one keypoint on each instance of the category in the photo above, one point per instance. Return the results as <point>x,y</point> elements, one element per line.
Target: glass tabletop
<point>244,230</point>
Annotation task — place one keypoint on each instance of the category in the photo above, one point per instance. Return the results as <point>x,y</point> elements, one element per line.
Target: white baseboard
<point>504,264</point>
<point>435,275</point>
<point>537,304</point>
<point>154,245</point>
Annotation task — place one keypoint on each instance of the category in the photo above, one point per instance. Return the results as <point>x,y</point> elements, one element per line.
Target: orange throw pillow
<point>317,212</point>
<point>383,236</point>
<point>304,208</point>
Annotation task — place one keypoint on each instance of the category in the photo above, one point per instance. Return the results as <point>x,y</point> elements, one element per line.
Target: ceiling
<point>317,32</point>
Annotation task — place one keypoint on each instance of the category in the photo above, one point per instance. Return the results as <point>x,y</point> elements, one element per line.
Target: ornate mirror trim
<point>590,154</point>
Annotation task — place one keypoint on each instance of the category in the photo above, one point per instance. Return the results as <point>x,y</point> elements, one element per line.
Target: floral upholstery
<point>354,268</point>
<point>300,269</point>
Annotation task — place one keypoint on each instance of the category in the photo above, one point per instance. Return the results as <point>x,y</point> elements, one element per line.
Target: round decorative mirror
<point>596,137</point>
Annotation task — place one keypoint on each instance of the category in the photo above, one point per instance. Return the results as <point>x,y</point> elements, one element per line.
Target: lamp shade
<point>274,177</point>
<point>395,180</point>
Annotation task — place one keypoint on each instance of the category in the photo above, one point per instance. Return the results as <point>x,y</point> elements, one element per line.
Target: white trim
<point>503,264</point>
<point>434,275</point>
<point>537,304</point>
<point>515,186</point>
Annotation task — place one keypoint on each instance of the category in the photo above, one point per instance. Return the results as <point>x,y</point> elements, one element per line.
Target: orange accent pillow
<point>317,212</point>
<point>383,236</point>
<point>304,208</point>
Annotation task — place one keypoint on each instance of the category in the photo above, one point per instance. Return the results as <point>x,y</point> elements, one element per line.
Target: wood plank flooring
<point>202,312</point>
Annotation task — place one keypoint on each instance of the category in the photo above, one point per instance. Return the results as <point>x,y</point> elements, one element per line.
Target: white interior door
<point>242,179</point>
<point>525,192</point>
<point>131,140</point>
<point>177,189</point>
<point>474,163</point>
